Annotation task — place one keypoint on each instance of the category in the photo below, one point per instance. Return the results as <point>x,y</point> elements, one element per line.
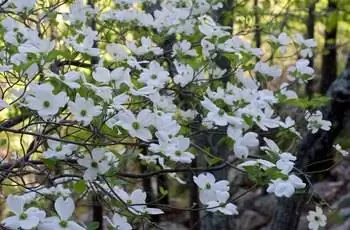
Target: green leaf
<point>93,225</point>
<point>50,162</point>
<point>80,186</point>
<point>163,191</point>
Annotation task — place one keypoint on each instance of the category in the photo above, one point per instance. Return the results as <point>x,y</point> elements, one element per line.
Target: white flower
<point>207,47</point>
<point>341,150</point>
<point>155,75</point>
<point>121,75</point>
<point>36,45</point>
<point>42,99</point>
<point>316,219</point>
<point>185,74</point>
<point>270,146</point>
<point>102,74</point>
<point>286,92</point>
<point>71,77</point>
<point>221,204</point>
<point>216,115</point>
<point>208,188</point>
<point>64,209</point>
<point>184,47</point>
<point>136,202</point>
<point>263,68</point>
<point>302,66</point>
<point>286,162</point>
<point>58,150</point>
<point>244,142</point>
<point>176,150</point>
<point>307,45</point>
<point>289,124</point>
<point>24,219</point>
<point>119,222</point>
<point>84,110</point>
<point>146,46</point>
<point>95,164</point>
<point>316,122</point>
<point>117,51</point>
<point>263,164</point>
<point>21,5</point>
<point>136,126</point>
<point>285,188</point>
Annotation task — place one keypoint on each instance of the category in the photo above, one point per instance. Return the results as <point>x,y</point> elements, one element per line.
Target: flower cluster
<point>215,194</point>
<point>139,83</point>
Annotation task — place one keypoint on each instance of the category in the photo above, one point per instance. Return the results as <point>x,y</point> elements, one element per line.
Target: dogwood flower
<point>136,202</point>
<point>23,219</point>
<point>271,146</point>
<point>22,5</point>
<point>243,142</point>
<point>118,222</point>
<point>208,188</point>
<point>316,219</point>
<point>96,164</point>
<point>146,46</point>
<point>221,204</point>
<point>287,187</point>
<point>184,47</point>
<point>263,164</point>
<point>316,122</point>
<point>64,208</point>
<point>42,99</point>
<point>176,150</point>
<point>216,115</point>
<point>84,110</point>
<point>302,66</point>
<point>286,162</point>
<point>137,126</point>
<point>289,124</point>
<point>341,150</point>
<point>307,45</point>
<point>117,51</point>
<point>58,150</point>
<point>263,68</point>
<point>155,75</point>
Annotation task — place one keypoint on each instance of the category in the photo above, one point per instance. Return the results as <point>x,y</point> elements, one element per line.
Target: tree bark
<point>329,57</point>
<point>310,24</point>
<point>257,34</point>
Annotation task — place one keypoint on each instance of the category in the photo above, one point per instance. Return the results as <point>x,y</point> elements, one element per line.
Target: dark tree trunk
<point>257,34</point>
<point>329,57</point>
<point>310,24</point>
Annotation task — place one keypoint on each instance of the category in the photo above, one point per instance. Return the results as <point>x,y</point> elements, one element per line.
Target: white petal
<point>15,204</point>
<point>64,208</point>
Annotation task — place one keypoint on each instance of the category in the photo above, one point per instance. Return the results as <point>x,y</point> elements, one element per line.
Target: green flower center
<point>63,223</point>
<point>83,113</point>
<point>221,112</point>
<point>136,125</point>
<point>59,148</point>
<point>46,104</point>
<point>178,153</point>
<point>94,164</point>
<point>129,202</point>
<point>207,185</point>
<point>154,77</point>
<point>23,216</point>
